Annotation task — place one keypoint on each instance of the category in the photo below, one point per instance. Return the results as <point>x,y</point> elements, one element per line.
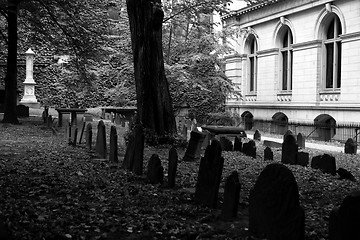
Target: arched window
<point>286,59</point>
<point>332,46</point>
<point>252,60</point>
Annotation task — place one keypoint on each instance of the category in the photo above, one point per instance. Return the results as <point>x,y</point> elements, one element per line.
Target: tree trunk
<point>154,103</point>
<point>10,115</point>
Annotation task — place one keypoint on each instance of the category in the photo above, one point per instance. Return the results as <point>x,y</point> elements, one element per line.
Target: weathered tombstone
<point>226,144</point>
<point>249,148</point>
<point>134,155</point>
<point>113,155</point>
<point>345,174</point>
<point>231,196</point>
<point>302,159</point>
<point>289,150</point>
<point>288,132</point>
<point>268,154</point>
<point>238,144</point>
<point>194,147</point>
<point>209,176</point>
<point>100,146</point>
<point>22,110</point>
<point>88,136</point>
<point>275,211</point>
<point>257,135</point>
<point>345,221</point>
<point>325,163</point>
<point>172,168</point>
<point>301,141</point>
<point>155,172</point>
<point>350,146</point>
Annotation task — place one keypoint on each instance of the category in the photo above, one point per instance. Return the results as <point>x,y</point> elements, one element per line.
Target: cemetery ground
<point>51,190</point>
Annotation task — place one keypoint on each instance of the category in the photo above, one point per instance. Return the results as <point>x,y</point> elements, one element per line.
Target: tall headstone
<point>155,171</point>
<point>275,211</point>
<point>257,135</point>
<point>100,146</point>
<point>325,163</point>
<point>289,150</point>
<point>301,141</point>
<point>88,136</point>
<point>238,144</point>
<point>209,176</point>
<point>134,155</point>
<point>231,196</point>
<point>226,144</point>
<point>194,147</point>
<point>345,221</point>
<point>172,168</point>
<point>350,146</point>
<point>268,154</point>
<point>113,155</point>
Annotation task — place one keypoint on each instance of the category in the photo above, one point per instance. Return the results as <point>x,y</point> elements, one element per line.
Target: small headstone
<point>134,155</point>
<point>288,132</point>
<point>209,176</point>
<point>345,174</point>
<point>172,168</point>
<point>113,155</point>
<point>289,150</point>
<point>22,110</point>
<point>345,221</point>
<point>268,154</point>
<point>301,141</point>
<point>257,135</point>
<point>302,159</point>
<point>238,144</point>
<point>88,136</point>
<point>100,146</point>
<point>275,211</point>
<point>194,147</point>
<point>249,148</point>
<point>231,196</point>
<point>155,172</point>
<point>325,163</point>
<point>226,144</point>
<point>350,146</point>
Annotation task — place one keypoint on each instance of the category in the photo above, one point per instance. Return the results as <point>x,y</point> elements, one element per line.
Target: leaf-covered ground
<point>50,190</point>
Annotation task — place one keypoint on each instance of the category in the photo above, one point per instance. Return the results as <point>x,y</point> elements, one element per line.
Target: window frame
<point>252,59</point>
<point>286,67</point>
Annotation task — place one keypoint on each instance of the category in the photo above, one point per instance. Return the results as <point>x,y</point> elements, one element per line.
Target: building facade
<point>296,63</point>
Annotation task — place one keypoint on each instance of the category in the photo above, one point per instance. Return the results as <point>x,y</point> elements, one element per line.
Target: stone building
<point>296,63</point>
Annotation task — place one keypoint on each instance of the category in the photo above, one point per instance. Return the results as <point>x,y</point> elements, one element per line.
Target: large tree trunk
<point>153,97</point>
<point>10,115</point>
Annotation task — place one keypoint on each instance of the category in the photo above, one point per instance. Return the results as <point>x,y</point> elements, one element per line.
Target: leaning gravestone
<point>88,136</point>
<point>100,146</point>
<point>226,144</point>
<point>302,159</point>
<point>345,221</point>
<point>257,135</point>
<point>238,144</point>
<point>209,176</point>
<point>275,211</point>
<point>231,196</point>
<point>173,161</point>
<point>155,172</point>
<point>134,155</point>
<point>289,150</point>
<point>350,146</point>
<point>268,154</point>
<point>325,163</point>
<point>194,147</point>
<point>113,155</point>
<point>301,141</point>
<point>249,148</point>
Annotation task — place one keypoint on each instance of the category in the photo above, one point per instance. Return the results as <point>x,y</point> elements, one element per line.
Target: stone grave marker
<point>345,221</point>
<point>325,163</point>
<point>226,144</point>
<point>194,146</point>
<point>301,141</point>
<point>238,144</point>
<point>302,159</point>
<point>249,148</point>
<point>100,146</point>
<point>134,154</point>
<point>209,176</point>
<point>173,161</point>
<point>345,174</point>
<point>231,196</point>
<point>350,146</point>
<point>268,154</point>
<point>155,171</point>
<point>275,211</point>
<point>113,155</point>
<point>88,136</point>
<point>288,132</point>
<point>257,135</point>
<point>289,150</point>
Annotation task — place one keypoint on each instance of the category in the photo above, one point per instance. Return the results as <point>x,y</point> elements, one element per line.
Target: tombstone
<point>88,136</point>
<point>288,132</point>
<point>226,144</point>
<point>268,154</point>
<point>249,148</point>
<point>209,175</point>
<point>22,110</point>
<point>345,221</point>
<point>345,174</point>
<point>194,147</point>
<point>302,159</point>
<point>289,150</point>
<point>231,196</point>
<point>350,146</point>
<point>275,211</point>
<point>113,155</point>
<point>155,172</point>
<point>134,154</point>
<point>209,136</point>
<point>301,141</point>
<point>100,146</point>
<point>173,161</point>
<point>238,144</point>
<point>257,135</point>
<point>325,163</point>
